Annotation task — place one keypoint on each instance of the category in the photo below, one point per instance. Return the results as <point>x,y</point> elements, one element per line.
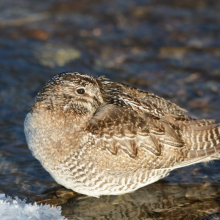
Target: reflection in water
<point>156,201</point>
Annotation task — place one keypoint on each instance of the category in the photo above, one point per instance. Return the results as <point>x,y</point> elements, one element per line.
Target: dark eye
<point>80,91</point>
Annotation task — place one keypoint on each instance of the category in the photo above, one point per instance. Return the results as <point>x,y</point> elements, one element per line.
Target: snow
<point>16,209</point>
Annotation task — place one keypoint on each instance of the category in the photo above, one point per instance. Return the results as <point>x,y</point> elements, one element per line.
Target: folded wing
<point>119,129</point>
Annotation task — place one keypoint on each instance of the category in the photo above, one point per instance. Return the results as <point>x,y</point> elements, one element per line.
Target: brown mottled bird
<point>99,137</point>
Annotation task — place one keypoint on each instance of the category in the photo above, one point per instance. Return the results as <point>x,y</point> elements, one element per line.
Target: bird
<point>99,137</point>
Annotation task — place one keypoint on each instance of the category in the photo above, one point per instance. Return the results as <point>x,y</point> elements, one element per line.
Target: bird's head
<point>71,92</point>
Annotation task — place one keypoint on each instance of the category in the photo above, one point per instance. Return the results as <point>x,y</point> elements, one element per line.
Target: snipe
<point>99,137</point>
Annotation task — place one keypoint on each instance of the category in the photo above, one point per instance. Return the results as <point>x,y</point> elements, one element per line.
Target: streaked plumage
<point>99,137</point>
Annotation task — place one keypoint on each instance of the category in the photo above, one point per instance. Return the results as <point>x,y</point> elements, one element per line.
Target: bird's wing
<point>139,100</point>
<point>117,128</point>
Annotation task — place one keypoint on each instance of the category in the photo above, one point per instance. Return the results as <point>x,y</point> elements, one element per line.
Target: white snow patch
<point>17,209</point>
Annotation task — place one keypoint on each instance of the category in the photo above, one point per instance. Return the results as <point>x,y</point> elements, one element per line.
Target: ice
<point>16,209</point>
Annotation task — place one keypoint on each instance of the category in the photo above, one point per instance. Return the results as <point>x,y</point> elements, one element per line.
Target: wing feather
<point>139,100</point>
<point>116,128</point>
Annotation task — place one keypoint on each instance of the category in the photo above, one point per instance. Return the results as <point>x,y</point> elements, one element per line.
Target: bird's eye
<point>80,91</point>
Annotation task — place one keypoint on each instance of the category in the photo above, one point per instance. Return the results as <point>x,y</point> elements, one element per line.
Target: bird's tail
<point>203,137</point>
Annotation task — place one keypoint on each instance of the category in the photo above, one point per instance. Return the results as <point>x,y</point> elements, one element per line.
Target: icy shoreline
<point>17,209</point>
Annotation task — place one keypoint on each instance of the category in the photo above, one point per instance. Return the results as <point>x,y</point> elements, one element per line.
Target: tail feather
<point>203,137</point>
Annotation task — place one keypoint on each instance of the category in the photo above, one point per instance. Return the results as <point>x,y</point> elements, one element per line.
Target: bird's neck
<point>59,117</point>
<point>53,134</point>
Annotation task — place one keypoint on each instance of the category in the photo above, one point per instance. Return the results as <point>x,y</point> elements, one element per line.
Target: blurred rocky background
<point>170,48</point>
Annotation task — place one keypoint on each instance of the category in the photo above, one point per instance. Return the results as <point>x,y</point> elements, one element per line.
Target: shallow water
<point>171,48</point>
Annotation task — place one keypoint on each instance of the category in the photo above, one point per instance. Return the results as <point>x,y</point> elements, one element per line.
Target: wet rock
<point>52,55</point>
